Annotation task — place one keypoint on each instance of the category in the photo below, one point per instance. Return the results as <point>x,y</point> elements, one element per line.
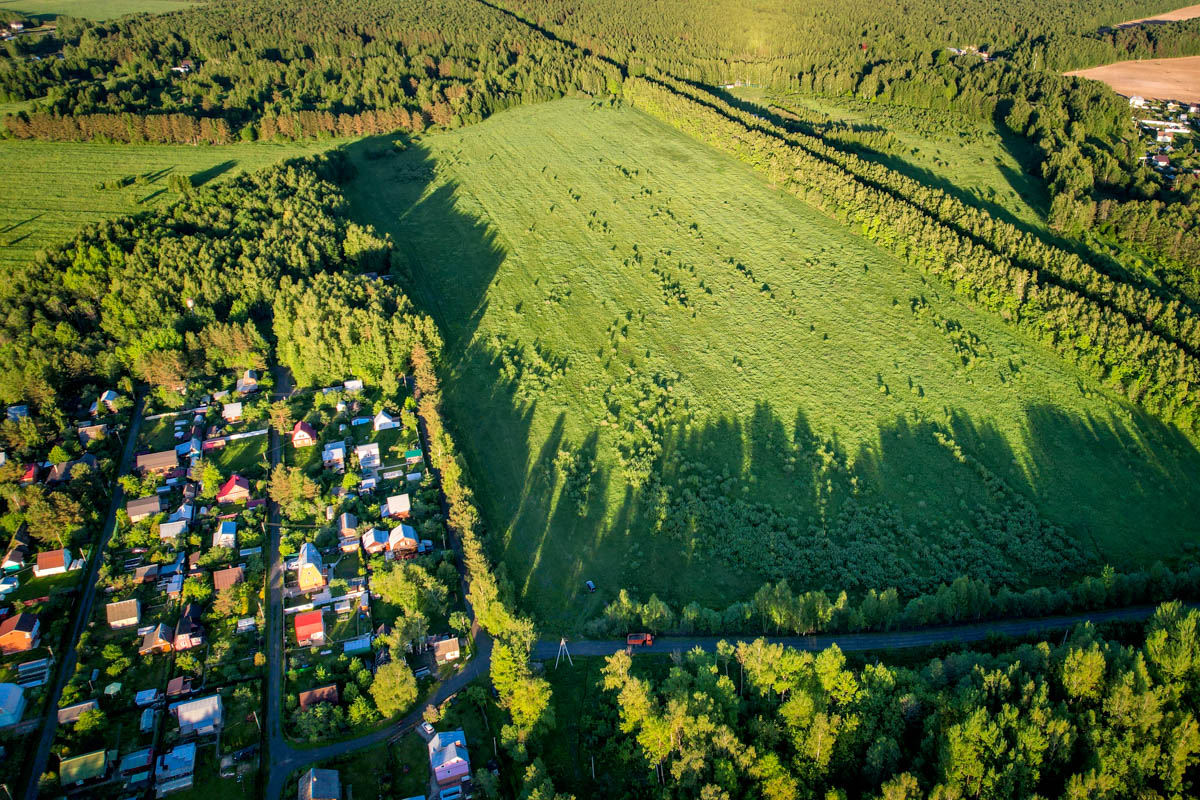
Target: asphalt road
<point>83,611</point>
<point>898,640</point>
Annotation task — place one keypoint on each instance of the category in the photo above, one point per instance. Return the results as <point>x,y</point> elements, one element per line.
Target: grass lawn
<point>91,9</point>
<point>591,269</point>
<point>159,434</point>
<point>48,190</point>
<point>32,587</point>
<point>243,456</point>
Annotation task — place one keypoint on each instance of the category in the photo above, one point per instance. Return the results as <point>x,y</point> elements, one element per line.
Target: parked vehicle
<point>639,639</point>
<point>591,587</point>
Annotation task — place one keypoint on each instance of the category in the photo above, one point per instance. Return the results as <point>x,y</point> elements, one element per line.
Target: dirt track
<point>1158,78</point>
<point>1178,15</point>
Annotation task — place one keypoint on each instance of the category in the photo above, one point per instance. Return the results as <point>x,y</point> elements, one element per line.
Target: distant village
<point>1164,126</point>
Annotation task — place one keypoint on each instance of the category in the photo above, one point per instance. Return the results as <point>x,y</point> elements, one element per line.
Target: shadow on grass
<point>730,502</point>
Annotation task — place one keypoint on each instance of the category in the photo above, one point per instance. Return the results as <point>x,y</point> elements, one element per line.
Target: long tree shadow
<point>735,499</point>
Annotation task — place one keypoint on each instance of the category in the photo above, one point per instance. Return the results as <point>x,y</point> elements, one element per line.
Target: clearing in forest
<point>91,9</point>
<point>1156,78</point>
<point>49,190</point>
<point>670,377</point>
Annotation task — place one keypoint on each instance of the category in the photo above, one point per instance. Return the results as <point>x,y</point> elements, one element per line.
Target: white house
<point>398,505</point>
<point>384,421</point>
<point>231,412</point>
<point>53,562</point>
<point>334,456</point>
<point>169,531</point>
<point>201,716</point>
<point>368,456</point>
<point>1137,101</point>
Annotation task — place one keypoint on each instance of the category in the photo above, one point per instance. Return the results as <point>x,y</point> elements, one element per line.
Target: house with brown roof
<point>143,507</point>
<point>177,687</point>
<point>123,614</point>
<point>228,578</point>
<point>52,562</point>
<point>92,433</point>
<point>156,640</point>
<point>157,463</point>
<point>61,473</point>
<point>19,633</point>
<point>323,694</point>
<point>445,650</point>
<point>234,490</point>
<point>303,435</point>
<point>188,632</point>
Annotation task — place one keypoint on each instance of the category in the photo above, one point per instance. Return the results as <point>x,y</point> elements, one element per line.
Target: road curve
<point>848,642</point>
<point>83,611</point>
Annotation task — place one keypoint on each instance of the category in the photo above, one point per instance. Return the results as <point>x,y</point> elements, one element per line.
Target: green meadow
<point>90,9</point>
<point>669,377</point>
<point>49,190</point>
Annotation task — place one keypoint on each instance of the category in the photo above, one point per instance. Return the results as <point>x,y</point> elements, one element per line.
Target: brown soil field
<point>1156,78</point>
<point>1178,15</point>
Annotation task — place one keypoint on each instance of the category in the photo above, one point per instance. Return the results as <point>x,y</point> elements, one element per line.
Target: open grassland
<point>1156,78</point>
<point>48,191</point>
<point>90,9</point>
<point>965,158</point>
<point>668,376</point>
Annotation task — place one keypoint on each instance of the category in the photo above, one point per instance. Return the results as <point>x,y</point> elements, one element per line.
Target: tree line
<point>1122,353</point>
<point>1081,717</point>
<point>241,71</point>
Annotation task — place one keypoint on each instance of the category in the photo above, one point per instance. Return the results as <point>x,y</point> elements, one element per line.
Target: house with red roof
<point>310,628</point>
<point>303,435</point>
<point>234,490</point>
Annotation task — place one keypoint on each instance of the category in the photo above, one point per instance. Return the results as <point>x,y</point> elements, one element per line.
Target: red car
<point>636,639</point>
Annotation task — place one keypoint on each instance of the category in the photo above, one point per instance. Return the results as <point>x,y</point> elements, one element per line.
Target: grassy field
<point>965,157</point>
<point>49,190</point>
<point>591,270</point>
<point>91,9</point>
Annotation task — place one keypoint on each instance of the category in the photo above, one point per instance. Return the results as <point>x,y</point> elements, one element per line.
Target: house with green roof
<point>89,766</point>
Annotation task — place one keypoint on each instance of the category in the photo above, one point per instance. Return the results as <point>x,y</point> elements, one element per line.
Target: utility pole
<point>563,651</point>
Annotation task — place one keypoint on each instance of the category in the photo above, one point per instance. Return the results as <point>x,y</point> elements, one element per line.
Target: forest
<point>1084,716</point>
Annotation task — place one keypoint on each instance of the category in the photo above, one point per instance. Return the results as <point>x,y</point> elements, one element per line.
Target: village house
<point>445,650</point>
<point>92,433</point>
<point>201,716</point>
<point>334,456</point>
<point>403,542</point>
<point>353,386</point>
<point>413,457</point>
<point>123,614</point>
<point>12,704</point>
<point>310,569</point>
<point>107,401</point>
<point>143,507</point>
<point>52,562</point>
<point>177,687</point>
<point>157,463</point>
<point>448,758</point>
<point>320,784</point>
<point>384,421</point>
<point>176,769</point>
<point>228,578</point>
<point>226,535</point>
<point>188,632</point>
<point>231,412</point>
<point>18,550</point>
<point>1137,101</point>
<point>19,633</point>
<point>29,476</point>
<point>61,473</point>
<point>170,531</point>
<point>310,628</point>
<point>303,435</point>
<point>398,506</point>
<point>234,490</point>
<point>375,541</point>
<point>146,573</point>
<point>1161,161</point>
<point>69,715</point>
<point>247,383</point>
<point>368,456</point>
<point>157,640</point>
<point>322,694</point>
<point>347,524</point>
<point>80,769</point>
<point>1166,137</point>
